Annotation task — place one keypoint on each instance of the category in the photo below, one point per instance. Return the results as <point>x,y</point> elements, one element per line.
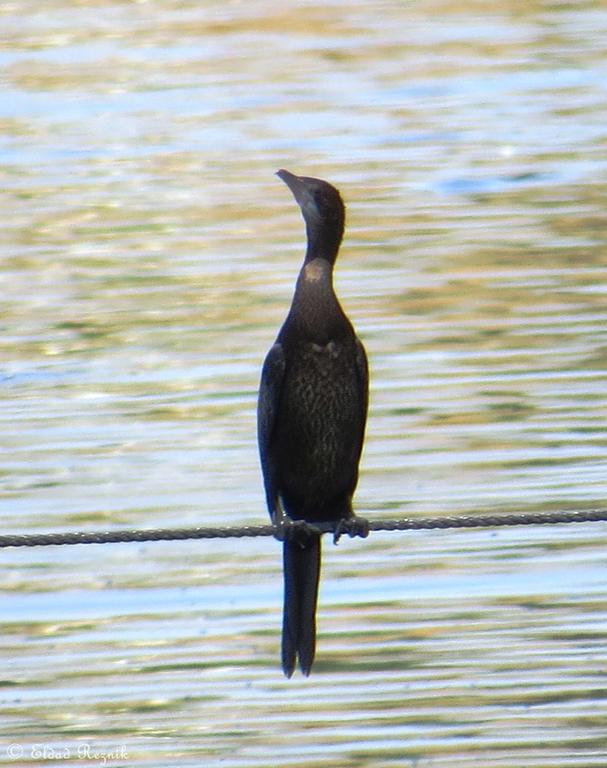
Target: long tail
<point>301,574</point>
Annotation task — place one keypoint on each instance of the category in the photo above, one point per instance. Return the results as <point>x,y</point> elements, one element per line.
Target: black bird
<point>311,418</point>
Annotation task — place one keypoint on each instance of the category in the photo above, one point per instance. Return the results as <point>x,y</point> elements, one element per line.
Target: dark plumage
<point>311,416</point>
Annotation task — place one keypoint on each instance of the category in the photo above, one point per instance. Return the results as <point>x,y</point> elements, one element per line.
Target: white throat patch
<point>313,272</point>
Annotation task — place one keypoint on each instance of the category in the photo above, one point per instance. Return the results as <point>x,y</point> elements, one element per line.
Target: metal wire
<point>248,531</point>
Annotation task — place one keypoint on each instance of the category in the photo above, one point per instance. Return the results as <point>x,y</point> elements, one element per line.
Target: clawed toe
<point>296,532</point>
<point>353,526</point>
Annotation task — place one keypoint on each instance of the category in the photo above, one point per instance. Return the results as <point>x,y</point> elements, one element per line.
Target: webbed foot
<point>295,531</point>
<point>353,526</point>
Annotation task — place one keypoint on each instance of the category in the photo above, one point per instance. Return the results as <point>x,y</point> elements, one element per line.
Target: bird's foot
<point>353,526</point>
<point>295,531</point>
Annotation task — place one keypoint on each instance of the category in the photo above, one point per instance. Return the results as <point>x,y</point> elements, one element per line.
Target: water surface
<point>147,258</point>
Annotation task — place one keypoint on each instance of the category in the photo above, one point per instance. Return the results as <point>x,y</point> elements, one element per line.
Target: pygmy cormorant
<point>311,418</point>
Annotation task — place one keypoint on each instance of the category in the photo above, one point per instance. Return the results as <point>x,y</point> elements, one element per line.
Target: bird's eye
<point>319,199</point>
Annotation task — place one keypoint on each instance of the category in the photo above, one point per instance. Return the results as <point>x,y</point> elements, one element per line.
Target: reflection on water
<point>147,258</point>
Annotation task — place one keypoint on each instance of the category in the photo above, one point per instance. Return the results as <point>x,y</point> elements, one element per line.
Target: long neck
<point>316,313</point>
<point>324,239</point>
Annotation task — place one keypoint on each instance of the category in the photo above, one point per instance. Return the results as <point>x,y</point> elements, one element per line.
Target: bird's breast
<point>330,350</point>
<point>320,421</point>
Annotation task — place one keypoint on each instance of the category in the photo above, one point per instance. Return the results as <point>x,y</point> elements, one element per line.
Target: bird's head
<point>323,211</point>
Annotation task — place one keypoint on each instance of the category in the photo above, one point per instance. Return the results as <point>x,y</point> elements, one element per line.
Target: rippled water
<point>147,258</point>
